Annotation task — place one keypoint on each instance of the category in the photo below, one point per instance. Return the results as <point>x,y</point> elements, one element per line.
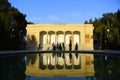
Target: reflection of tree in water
<point>31,59</point>
<point>107,68</point>
<point>90,78</point>
<point>12,68</point>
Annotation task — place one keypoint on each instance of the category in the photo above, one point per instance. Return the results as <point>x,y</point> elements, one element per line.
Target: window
<point>87,38</point>
<point>88,60</point>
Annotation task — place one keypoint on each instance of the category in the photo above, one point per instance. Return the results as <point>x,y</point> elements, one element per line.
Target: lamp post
<point>108,38</point>
<point>102,42</point>
<point>108,31</point>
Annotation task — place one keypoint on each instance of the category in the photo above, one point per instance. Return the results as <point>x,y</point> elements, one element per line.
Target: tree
<point>90,21</point>
<point>12,33</point>
<point>86,22</point>
<point>12,27</point>
<point>107,30</point>
<point>30,23</point>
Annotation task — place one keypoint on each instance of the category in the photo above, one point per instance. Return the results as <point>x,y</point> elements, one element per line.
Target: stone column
<point>79,38</point>
<point>39,39</point>
<point>72,40</point>
<point>47,37</point>
<point>64,38</point>
<point>55,38</point>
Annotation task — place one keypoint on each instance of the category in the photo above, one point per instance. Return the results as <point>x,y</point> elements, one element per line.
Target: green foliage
<point>12,27</point>
<point>107,30</point>
<point>86,22</point>
<point>90,21</point>
<point>12,32</point>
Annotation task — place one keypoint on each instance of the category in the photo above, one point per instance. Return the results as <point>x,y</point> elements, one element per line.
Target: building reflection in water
<point>89,66</point>
<point>63,65</point>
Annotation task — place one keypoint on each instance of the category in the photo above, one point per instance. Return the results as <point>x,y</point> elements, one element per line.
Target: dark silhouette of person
<point>76,48</point>
<point>53,48</point>
<point>39,46</point>
<point>63,46</point>
<point>60,48</point>
<point>57,45</point>
<point>70,56</point>
<point>70,45</point>
<point>70,48</point>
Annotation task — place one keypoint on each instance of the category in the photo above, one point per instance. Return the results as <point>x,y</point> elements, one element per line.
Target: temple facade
<point>43,36</point>
<point>47,34</point>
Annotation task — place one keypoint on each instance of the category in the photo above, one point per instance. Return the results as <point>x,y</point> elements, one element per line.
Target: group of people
<point>58,46</point>
<point>62,46</point>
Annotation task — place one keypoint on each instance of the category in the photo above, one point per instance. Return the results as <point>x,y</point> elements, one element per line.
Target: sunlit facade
<point>56,64</point>
<point>47,34</point>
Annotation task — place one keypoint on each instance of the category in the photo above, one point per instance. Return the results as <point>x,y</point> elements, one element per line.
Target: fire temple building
<point>47,34</point>
<point>44,36</point>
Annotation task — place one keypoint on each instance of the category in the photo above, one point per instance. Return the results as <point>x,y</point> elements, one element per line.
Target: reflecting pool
<point>60,66</point>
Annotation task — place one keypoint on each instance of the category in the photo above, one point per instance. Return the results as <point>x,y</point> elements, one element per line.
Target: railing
<point>97,52</point>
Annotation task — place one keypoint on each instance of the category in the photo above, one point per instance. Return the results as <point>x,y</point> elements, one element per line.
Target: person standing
<point>70,45</point>
<point>63,46</point>
<point>70,48</point>
<point>39,46</point>
<point>53,48</point>
<point>60,48</point>
<point>76,48</point>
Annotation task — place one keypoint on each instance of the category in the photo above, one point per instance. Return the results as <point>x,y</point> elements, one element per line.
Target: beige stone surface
<point>42,34</point>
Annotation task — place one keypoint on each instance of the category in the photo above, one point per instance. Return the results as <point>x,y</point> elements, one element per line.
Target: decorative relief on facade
<point>87,38</point>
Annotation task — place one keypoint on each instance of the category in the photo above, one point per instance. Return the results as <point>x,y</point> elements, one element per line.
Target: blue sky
<point>64,11</point>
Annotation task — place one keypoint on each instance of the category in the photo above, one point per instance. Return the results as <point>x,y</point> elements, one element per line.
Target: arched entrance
<point>60,37</point>
<point>51,37</point>
<point>76,36</point>
<point>68,36</point>
<point>43,37</point>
